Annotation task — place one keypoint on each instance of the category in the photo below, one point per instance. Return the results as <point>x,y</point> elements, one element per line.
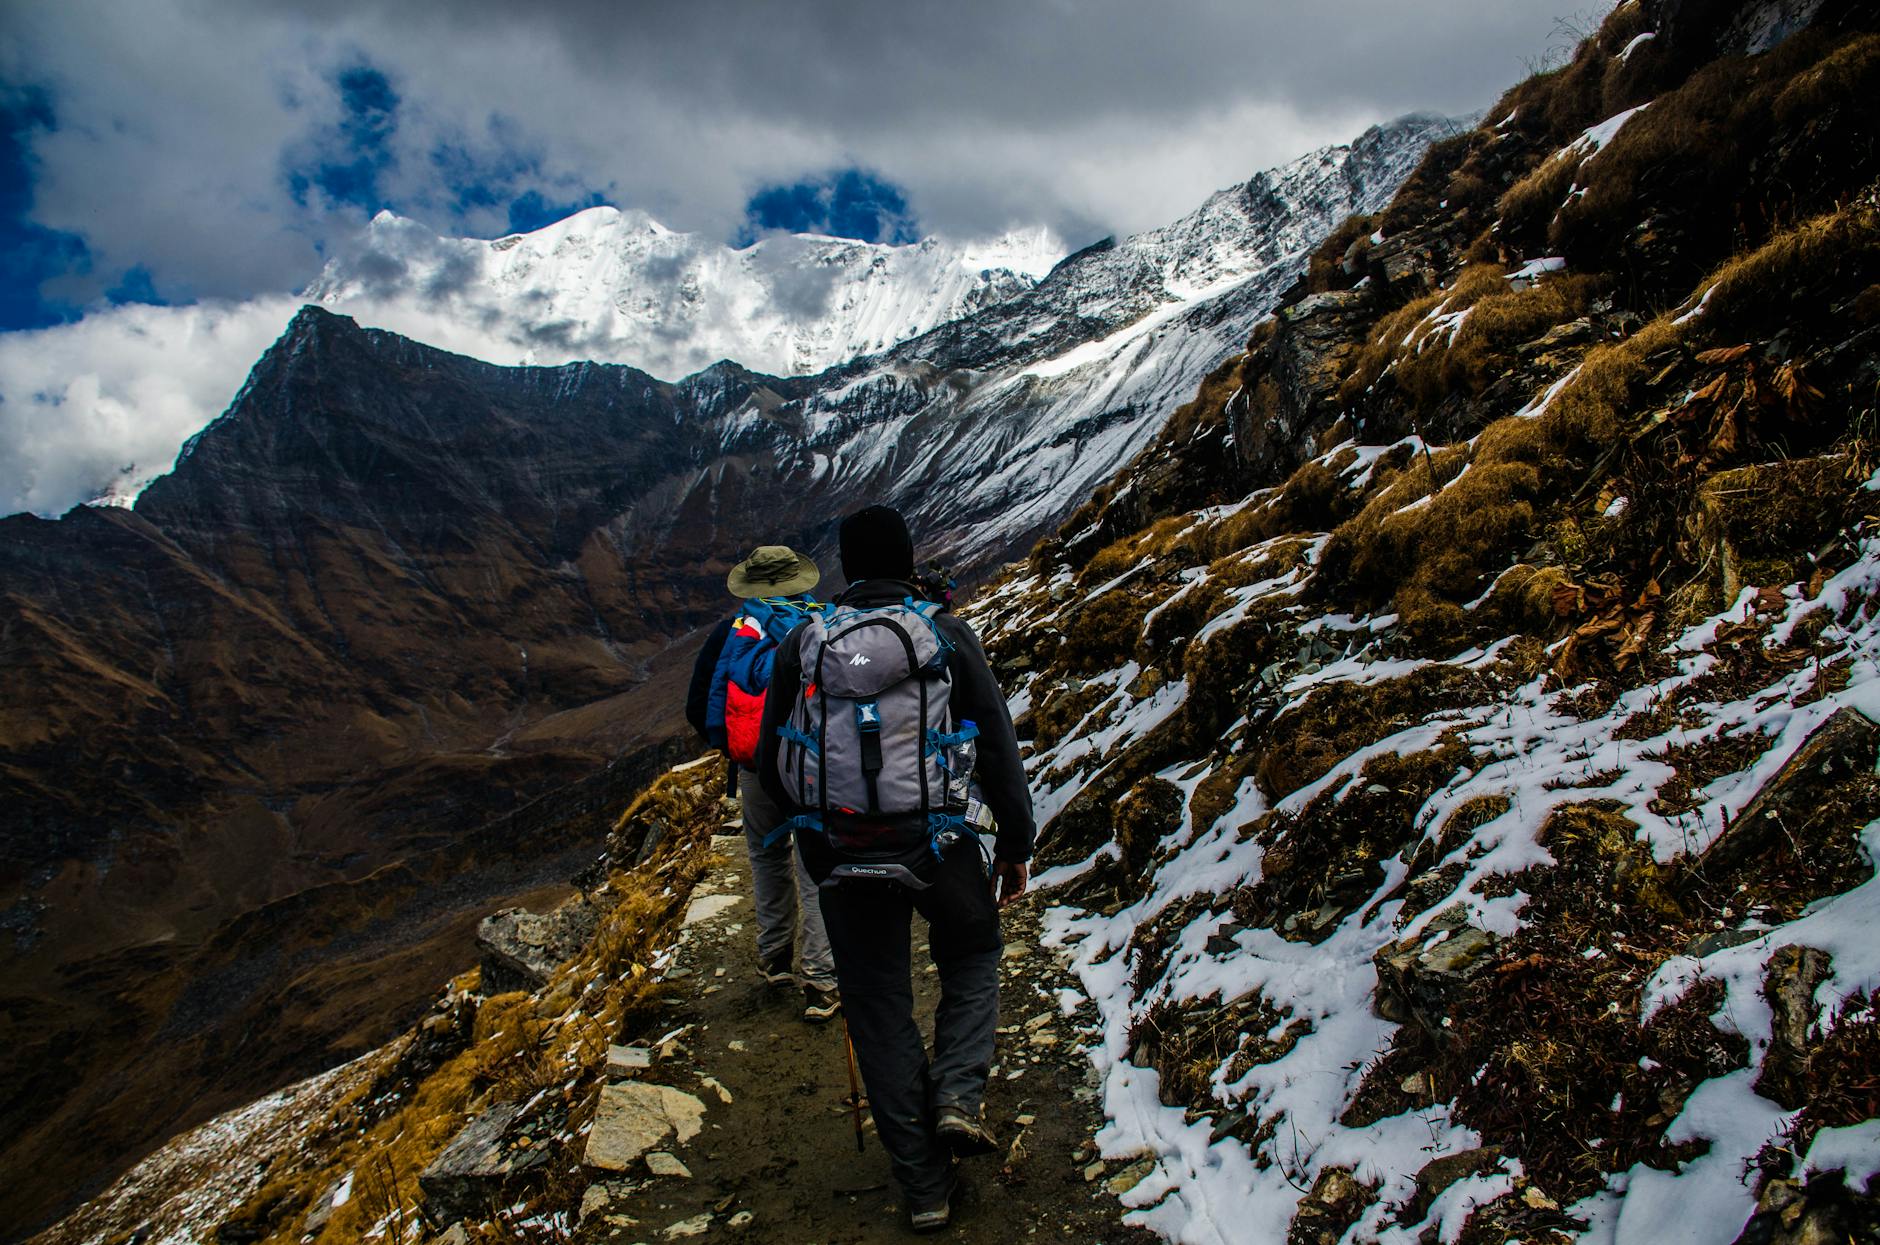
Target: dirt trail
<point>782,1150</point>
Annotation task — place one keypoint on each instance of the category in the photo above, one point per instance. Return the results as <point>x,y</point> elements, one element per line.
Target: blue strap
<point>802,821</point>
<point>937,826</point>
<point>936,741</point>
<point>926,612</point>
<point>790,733</point>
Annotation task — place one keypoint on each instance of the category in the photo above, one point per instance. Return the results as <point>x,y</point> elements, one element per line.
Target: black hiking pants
<point>869,923</point>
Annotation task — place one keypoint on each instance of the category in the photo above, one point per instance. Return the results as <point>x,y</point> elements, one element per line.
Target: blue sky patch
<point>30,254</point>
<point>356,152</point>
<point>851,203</point>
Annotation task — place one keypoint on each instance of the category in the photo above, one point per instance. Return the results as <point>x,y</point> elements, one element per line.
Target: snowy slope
<point>1531,758</point>
<point>993,427</point>
<point>611,286</point>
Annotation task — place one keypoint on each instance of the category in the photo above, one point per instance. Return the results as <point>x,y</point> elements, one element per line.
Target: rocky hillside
<point>1458,728</point>
<point>473,1103</point>
<point>281,716</point>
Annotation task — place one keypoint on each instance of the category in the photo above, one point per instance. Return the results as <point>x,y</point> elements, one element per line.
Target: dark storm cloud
<point>255,133</point>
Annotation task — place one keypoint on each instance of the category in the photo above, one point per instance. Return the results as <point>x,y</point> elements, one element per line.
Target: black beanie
<point>876,545</point>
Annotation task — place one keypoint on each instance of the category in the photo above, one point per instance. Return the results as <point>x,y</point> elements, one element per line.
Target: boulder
<point>664,1163</point>
<point>479,1168</point>
<point>1420,978</point>
<point>1333,1205</point>
<point>635,1116</point>
<point>521,949</point>
<point>1824,1211</point>
<point>1794,973</point>
<point>1846,744</point>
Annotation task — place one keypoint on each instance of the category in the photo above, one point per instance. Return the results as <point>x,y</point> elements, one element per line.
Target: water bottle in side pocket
<point>960,770</point>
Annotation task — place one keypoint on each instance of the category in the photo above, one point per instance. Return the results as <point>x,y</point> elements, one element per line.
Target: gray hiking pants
<point>782,887</point>
<point>869,923</point>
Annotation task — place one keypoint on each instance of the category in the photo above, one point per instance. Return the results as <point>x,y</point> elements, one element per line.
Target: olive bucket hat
<point>772,571</point>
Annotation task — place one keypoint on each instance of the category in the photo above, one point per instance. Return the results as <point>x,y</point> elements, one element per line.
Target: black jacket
<point>976,697</point>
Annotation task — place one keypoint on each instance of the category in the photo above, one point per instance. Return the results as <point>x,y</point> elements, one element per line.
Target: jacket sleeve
<point>999,771</point>
<point>786,681</point>
<point>698,695</point>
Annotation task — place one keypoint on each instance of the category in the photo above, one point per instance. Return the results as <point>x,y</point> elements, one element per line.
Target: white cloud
<point>176,116</point>
<point>102,406</point>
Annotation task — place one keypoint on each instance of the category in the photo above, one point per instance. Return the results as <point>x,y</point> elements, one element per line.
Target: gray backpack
<point>871,752</point>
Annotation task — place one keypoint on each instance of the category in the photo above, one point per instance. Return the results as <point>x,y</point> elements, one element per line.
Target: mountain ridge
<point>394,592</point>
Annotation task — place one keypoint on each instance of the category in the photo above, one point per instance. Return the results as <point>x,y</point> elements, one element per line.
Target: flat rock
<point>1122,1182</point>
<point>706,907</point>
<point>628,1061</point>
<point>663,1163</point>
<point>635,1116</point>
<point>697,1225</point>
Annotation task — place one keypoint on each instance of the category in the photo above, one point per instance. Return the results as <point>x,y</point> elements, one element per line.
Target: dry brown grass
<point>1797,277</point>
<point>1325,270</point>
<point>1427,361</point>
<point>1424,558</point>
<point>1410,327</point>
<point>1850,72</point>
<point>521,1044</point>
<point>1209,401</point>
<point>1312,499</point>
<point>1782,134</point>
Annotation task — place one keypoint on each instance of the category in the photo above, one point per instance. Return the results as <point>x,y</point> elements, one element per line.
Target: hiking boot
<point>963,1134</point>
<point>936,1217</point>
<point>777,972</point>
<point>820,1003</point>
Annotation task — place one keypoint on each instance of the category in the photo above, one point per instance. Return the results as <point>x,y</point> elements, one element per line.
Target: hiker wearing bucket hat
<point>773,586</point>
<point>773,571</point>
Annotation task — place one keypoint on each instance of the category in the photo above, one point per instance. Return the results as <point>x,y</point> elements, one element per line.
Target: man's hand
<point>1008,880</point>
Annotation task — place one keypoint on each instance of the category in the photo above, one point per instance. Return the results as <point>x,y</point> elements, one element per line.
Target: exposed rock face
<point>1794,973</point>
<point>1846,744</point>
<point>521,949</point>
<point>478,1167</point>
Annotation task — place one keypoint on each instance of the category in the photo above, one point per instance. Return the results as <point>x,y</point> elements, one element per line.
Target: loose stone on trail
<point>634,1117</point>
<point>662,1163</point>
<point>628,1061</point>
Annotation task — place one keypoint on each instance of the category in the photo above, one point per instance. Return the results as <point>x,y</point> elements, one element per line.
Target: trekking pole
<point>855,1085</point>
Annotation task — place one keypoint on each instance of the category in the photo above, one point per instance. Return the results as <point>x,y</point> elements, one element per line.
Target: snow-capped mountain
<point>394,594</point>
<point>616,286</point>
<point>992,427</point>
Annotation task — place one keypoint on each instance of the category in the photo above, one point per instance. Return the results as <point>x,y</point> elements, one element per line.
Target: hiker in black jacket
<point>927,1115</point>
